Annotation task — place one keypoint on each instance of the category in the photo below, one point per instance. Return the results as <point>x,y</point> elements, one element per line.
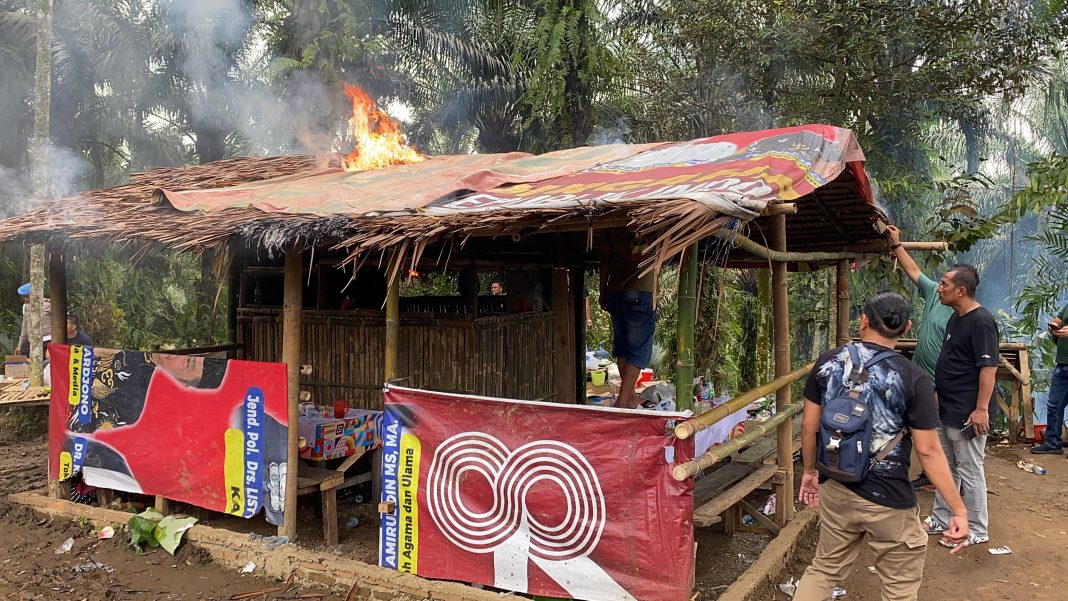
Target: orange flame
<point>379,142</point>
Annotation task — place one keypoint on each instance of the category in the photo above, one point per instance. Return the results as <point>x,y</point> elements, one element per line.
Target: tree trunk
<point>42,100</point>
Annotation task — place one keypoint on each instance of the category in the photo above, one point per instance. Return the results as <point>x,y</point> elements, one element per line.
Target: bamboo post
<point>694,425</point>
<point>755,433</point>
<point>563,336</point>
<point>33,325</point>
<point>58,489</point>
<point>841,281</point>
<point>233,295</point>
<point>1027,400</point>
<point>577,275</point>
<point>781,314</point>
<point>57,280</point>
<point>687,322</point>
<point>832,308</point>
<point>392,328</point>
<point>292,304</point>
<point>763,325</point>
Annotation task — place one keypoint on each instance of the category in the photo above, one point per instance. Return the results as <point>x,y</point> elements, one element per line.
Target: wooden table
<point>12,394</point>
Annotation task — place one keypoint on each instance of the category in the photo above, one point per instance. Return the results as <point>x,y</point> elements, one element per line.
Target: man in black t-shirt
<point>965,375</point>
<point>883,506</point>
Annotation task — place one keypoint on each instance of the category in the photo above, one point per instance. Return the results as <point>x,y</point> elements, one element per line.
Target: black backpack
<point>843,452</point>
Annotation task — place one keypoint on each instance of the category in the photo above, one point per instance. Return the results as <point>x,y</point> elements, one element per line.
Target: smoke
<point>612,133</point>
<point>233,88</point>
<point>65,171</point>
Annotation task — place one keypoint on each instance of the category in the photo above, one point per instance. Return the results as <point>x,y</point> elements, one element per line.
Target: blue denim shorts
<point>633,325</point>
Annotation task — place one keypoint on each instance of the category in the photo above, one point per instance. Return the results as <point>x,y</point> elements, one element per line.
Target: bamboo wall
<point>509,356</point>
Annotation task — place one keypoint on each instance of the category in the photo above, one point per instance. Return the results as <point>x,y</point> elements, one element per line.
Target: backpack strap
<point>889,446</point>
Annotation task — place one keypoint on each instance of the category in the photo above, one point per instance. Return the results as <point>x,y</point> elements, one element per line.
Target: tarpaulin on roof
<point>734,174</point>
<point>397,188</point>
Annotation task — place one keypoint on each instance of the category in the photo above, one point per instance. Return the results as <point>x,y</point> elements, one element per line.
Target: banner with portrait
<point>542,498</point>
<point>204,431</point>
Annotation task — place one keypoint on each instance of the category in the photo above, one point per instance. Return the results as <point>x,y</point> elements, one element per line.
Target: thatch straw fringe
<point>128,214</point>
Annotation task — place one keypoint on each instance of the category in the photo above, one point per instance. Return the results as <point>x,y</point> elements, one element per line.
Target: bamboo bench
<point>720,496</point>
<point>327,482</point>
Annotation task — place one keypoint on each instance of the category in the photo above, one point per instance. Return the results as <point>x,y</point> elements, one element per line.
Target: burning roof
<point>673,193</point>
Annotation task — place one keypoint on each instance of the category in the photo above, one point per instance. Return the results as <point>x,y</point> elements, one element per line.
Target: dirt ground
<point>30,568</point>
<point>1028,514</point>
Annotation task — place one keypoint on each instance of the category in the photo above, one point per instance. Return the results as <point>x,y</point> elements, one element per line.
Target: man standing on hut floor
<point>964,381</point>
<point>933,321</point>
<point>628,297</point>
<point>882,505</point>
<point>1058,388</point>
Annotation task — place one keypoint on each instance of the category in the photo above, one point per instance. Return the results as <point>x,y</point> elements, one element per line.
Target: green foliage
<point>434,283</point>
<point>162,300</point>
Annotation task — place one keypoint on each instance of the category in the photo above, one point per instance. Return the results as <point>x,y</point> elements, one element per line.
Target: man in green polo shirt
<point>933,319</point>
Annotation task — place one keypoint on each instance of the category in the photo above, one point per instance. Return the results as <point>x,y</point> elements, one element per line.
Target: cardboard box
<point>16,367</point>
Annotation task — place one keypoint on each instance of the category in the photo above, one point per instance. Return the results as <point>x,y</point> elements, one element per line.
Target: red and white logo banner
<point>541,498</point>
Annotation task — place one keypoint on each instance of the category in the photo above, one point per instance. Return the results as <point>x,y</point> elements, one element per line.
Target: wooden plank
<point>353,481</point>
<point>327,479</point>
<point>716,482</point>
<point>1027,400</point>
<point>756,453</point>
<point>163,505</point>
<point>722,502</point>
<point>329,501</point>
<point>1014,398</point>
<point>759,516</point>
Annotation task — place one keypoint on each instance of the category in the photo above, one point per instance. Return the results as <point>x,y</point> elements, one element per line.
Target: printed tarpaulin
<point>396,188</point>
<point>547,499</point>
<point>735,174</point>
<point>208,432</point>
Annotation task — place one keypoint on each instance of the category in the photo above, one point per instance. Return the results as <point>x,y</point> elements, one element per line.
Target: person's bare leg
<point>629,374</point>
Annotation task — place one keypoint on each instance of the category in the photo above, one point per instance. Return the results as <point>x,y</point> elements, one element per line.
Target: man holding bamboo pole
<point>933,321</point>
<point>898,397</point>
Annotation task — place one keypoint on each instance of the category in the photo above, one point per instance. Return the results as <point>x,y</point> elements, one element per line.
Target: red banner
<point>542,498</point>
<point>209,432</point>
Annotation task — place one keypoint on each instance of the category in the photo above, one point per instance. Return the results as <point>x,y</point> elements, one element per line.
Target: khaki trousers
<point>899,542</point>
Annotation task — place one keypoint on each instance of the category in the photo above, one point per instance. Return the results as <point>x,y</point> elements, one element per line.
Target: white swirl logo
<point>559,544</point>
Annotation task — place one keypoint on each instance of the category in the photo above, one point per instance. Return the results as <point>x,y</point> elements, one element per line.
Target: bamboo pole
<point>781,314</point>
<point>755,433</point>
<point>783,208</point>
<point>687,322</point>
<point>695,424</point>
<point>292,304</point>
<point>33,326</point>
<point>833,338</point>
<point>841,281</point>
<point>920,245</point>
<point>392,354</point>
<point>57,280</point>
<point>763,319</point>
<point>754,248</point>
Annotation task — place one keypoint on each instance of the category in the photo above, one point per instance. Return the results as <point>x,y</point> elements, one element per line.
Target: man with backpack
<point>865,406</point>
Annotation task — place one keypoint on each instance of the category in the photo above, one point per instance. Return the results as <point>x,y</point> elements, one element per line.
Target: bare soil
<point>1028,514</point>
<point>30,568</point>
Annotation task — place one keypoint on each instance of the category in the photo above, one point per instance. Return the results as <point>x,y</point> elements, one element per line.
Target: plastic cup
<point>340,409</point>
<point>598,377</point>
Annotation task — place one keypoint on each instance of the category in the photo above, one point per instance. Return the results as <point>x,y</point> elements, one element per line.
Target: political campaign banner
<point>542,498</point>
<point>204,431</point>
